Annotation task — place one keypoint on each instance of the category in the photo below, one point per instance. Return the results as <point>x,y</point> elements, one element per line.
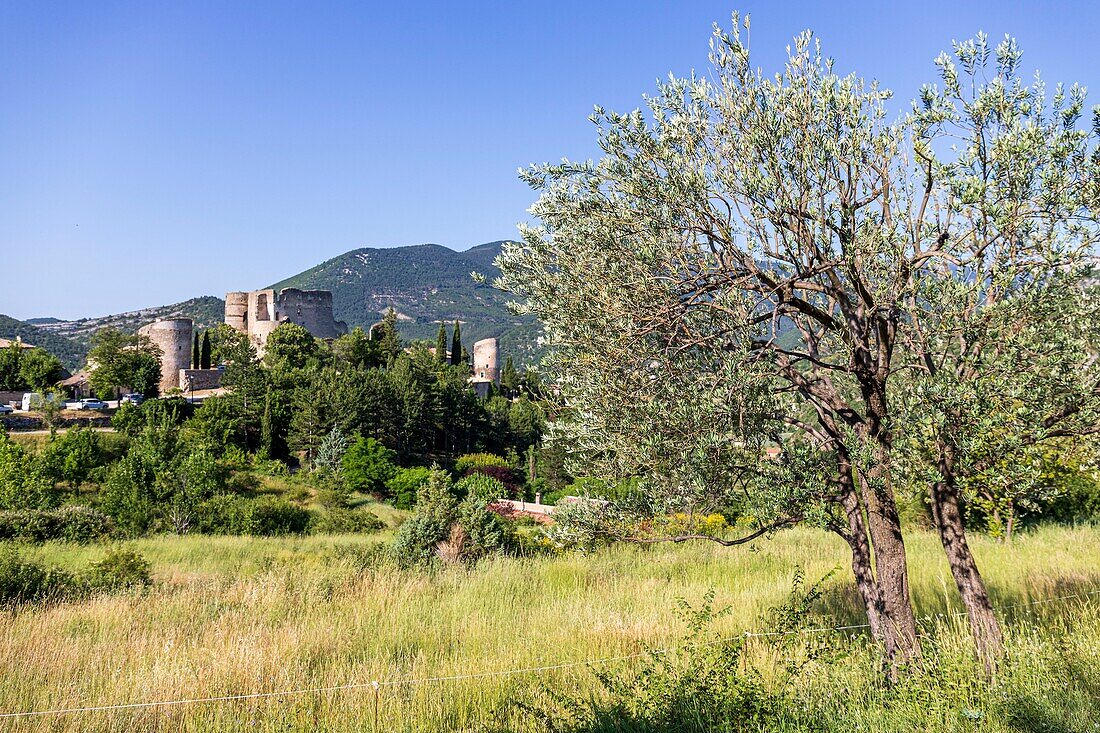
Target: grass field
<point>232,615</point>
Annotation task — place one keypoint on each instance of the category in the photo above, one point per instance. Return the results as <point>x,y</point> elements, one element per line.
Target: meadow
<point>238,615</point>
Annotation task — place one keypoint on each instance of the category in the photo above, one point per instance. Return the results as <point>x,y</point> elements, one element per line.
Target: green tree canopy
<point>290,345</point>
<point>368,465</point>
<point>759,261</point>
<point>40,369</point>
<point>119,359</point>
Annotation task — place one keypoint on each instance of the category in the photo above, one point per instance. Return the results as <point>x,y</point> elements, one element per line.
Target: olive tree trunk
<point>947,515</point>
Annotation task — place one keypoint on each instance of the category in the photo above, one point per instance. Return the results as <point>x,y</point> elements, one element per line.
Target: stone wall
<point>200,379</point>
<point>25,422</point>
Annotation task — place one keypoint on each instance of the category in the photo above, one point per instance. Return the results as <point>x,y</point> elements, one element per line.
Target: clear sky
<point>155,151</point>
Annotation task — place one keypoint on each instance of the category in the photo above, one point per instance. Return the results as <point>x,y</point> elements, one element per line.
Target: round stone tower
<point>486,360</point>
<point>236,311</point>
<point>173,336</point>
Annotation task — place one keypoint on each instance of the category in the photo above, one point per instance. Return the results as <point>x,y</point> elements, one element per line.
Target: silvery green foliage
<point>1002,333</point>
<point>331,450</point>
<point>753,254</point>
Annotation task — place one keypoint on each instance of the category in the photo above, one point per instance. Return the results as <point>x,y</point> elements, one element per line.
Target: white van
<point>34,400</point>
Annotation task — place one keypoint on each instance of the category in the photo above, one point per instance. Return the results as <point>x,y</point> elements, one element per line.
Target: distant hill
<point>425,284</point>
<point>70,353</point>
<point>207,312</point>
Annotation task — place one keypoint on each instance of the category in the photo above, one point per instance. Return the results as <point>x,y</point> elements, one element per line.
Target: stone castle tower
<point>259,312</point>
<point>487,361</point>
<point>174,337</point>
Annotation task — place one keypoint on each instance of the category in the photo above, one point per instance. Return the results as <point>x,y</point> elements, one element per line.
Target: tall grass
<point>236,615</point>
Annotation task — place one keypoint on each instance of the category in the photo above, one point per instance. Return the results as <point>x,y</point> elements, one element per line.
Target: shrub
<point>118,570</point>
<point>418,537</point>
<point>449,530</point>
<point>486,532</point>
<point>332,498</point>
<point>24,482</point>
<point>271,467</point>
<point>128,495</point>
<point>368,465</point>
<point>25,581</point>
<point>344,521</point>
<point>405,484</point>
<point>72,456</point>
<point>264,516</point>
<point>242,482</point>
<point>482,487</point>
<point>508,477</point>
<point>70,524</point>
<point>470,461</point>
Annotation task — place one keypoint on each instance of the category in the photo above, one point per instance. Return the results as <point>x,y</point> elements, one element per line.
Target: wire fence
<point>377,685</point>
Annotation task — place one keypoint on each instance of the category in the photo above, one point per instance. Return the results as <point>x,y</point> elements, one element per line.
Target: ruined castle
<point>260,312</point>
<point>486,366</point>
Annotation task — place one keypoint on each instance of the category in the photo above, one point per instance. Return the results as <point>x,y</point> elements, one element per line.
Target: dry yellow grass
<point>233,615</point>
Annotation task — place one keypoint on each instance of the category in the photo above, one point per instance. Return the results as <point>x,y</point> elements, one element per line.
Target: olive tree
<point>760,259</point>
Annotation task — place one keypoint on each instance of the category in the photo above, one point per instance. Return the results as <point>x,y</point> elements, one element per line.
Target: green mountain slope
<point>70,353</point>
<point>207,311</point>
<point>425,284</point>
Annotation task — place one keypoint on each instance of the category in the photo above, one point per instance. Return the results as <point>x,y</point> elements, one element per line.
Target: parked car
<point>135,398</point>
<point>6,410</point>
<point>89,404</point>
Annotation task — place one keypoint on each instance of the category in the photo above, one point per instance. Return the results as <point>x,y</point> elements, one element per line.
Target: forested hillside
<point>70,353</point>
<point>426,284</point>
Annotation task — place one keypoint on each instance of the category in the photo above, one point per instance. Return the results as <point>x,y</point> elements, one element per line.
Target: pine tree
<point>441,344</point>
<point>456,345</point>
<point>195,353</point>
<point>386,334</point>
<point>204,354</point>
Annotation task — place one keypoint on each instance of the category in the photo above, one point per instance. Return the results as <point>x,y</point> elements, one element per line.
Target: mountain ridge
<point>425,283</point>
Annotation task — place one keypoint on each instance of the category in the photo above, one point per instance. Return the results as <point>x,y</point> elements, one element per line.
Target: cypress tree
<point>441,344</point>
<point>509,378</point>
<point>456,345</point>
<point>205,353</point>
<point>267,431</point>
<point>195,353</point>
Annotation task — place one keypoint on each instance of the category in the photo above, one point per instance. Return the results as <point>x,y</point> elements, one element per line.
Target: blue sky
<point>155,151</point>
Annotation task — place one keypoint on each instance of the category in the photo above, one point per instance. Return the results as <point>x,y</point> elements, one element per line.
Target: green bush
<point>25,581</point>
<point>120,569</point>
<point>368,465</point>
<point>479,460</point>
<point>481,487</point>
<point>417,538</point>
<point>333,498</point>
<point>485,532</point>
<point>344,521</point>
<point>263,516</point>
<point>71,524</point>
<point>128,495</point>
<point>445,528</point>
<point>24,482</point>
<point>72,456</point>
<point>405,484</point>
<point>242,482</point>
<point>269,467</point>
